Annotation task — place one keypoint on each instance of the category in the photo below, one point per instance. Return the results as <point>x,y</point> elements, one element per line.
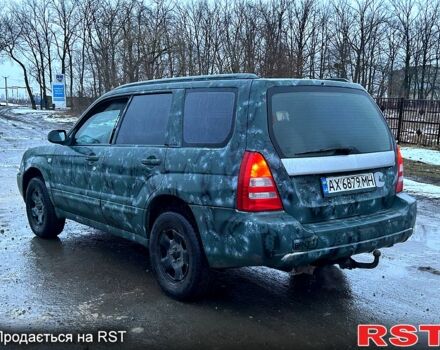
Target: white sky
<point>15,78</point>
<point>11,69</point>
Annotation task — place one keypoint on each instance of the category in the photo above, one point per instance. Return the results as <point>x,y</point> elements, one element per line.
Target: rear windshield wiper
<point>334,150</point>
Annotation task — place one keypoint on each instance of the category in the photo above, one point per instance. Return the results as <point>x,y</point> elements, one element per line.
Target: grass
<point>421,172</point>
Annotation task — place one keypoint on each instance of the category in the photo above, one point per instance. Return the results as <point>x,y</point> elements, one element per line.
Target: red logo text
<point>400,335</point>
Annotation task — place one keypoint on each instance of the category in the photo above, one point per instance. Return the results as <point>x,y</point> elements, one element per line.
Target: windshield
<point>315,120</point>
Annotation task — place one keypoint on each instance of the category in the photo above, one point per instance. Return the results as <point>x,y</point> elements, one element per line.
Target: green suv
<point>226,171</point>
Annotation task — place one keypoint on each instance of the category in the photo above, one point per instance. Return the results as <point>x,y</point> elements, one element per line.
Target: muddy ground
<point>89,280</point>
<point>422,172</point>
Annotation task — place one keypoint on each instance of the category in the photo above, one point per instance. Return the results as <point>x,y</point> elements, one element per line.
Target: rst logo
<point>401,335</point>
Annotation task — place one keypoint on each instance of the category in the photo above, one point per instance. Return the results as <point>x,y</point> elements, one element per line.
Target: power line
<point>13,87</point>
<point>6,89</point>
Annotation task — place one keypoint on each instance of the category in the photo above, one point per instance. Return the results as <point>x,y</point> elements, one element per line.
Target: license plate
<point>348,183</point>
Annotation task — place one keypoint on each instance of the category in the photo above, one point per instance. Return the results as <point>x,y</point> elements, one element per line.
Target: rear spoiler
<point>338,79</point>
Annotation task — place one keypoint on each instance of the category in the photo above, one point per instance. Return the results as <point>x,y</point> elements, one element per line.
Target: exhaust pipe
<point>350,263</point>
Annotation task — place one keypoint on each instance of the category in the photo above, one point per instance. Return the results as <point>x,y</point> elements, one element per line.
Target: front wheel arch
<point>38,203</point>
<point>28,175</point>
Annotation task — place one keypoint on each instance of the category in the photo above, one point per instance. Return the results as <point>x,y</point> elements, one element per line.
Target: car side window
<point>208,116</point>
<point>98,128</point>
<point>145,121</point>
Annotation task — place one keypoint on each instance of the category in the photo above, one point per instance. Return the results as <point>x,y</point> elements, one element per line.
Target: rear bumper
<point>233,239</point>
<point>344,250</point>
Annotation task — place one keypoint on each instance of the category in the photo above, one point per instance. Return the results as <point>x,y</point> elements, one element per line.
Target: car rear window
<point>145,121</point>
<point>208,116</point>
<point>303,120</point>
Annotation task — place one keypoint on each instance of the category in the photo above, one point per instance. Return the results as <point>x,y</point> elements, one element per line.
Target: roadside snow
<point>3,104</point>
<point>31,111</point>
<point>59,118</point>
<point>427,156</point>
<point>56,116</point>
<point>420,188</point>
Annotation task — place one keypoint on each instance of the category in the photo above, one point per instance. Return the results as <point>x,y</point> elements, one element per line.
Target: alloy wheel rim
<point>37,207</point>
<point>174,258</point>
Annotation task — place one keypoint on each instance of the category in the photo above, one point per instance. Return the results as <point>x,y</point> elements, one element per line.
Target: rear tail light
<point>256,187</point>
<point>399,184</point>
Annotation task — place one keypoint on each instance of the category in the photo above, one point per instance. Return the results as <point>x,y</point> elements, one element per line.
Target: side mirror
<point>57,136</point>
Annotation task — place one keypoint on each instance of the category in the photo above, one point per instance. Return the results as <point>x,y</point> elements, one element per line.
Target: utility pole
<point>6,89</point>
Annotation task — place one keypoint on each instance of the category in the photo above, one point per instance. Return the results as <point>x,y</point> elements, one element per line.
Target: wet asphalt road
<point>89,280</point>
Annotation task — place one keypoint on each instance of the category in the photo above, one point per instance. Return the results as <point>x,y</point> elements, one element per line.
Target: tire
<point>177,259</point>
<point>40,211</point>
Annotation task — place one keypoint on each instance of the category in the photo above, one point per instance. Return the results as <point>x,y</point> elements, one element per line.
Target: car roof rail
<point>338,79</point>
<point>192,78</point>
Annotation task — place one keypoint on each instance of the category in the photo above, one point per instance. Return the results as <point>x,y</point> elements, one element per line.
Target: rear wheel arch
<point>177,259</point>
<point>164,203</point>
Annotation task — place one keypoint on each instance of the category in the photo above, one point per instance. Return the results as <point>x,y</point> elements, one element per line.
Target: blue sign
<point>59,91</point>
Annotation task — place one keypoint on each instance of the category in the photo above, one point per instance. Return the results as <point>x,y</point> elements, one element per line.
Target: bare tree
<point>65,30</point>
<point>427,37</point>
<point>392,47</point>
<point>300,30</point>
<point>404,11</point>
<point>10,41</point>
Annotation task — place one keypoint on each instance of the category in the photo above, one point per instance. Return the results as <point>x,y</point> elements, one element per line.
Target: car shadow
<point>128,261</point>
<point>99,270</point>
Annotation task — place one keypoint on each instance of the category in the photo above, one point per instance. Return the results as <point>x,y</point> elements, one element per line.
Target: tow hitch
<point>350,263</point>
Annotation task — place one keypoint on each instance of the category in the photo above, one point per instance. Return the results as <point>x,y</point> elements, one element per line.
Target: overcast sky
<point>15,77</point>
<point>12,70</point>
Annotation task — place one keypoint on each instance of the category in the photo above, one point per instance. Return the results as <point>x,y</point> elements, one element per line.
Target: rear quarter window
<point>208,116</point>
<point>307,119</point>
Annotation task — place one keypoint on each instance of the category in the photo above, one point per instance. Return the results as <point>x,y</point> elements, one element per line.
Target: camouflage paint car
<point>226,171</point>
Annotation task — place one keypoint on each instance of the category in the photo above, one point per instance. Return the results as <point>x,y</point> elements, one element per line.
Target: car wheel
<point>40,211</point>
<point>177,259</point>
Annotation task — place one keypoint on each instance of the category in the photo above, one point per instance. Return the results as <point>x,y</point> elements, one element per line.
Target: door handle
<point>151,161</point>
<point>92,158</point>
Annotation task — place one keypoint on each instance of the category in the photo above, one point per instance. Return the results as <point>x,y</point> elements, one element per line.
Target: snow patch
<point>420,188</point>
<point>427,156</point>
<point>3,104</point>
<point>54,116</point>
<point>31,111</point>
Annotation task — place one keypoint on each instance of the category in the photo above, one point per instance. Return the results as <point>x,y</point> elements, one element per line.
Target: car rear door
<point>133,164</point>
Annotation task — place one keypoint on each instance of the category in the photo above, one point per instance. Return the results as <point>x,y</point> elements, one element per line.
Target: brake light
<point>399,184</point>
<point>256,187</point>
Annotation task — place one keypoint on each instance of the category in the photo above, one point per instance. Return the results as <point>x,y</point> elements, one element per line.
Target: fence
<point>413,121</point>
<point>79,103</point>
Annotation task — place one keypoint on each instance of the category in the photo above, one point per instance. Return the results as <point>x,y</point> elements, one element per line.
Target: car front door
<point>81,190</point>
<point>133,164</point>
